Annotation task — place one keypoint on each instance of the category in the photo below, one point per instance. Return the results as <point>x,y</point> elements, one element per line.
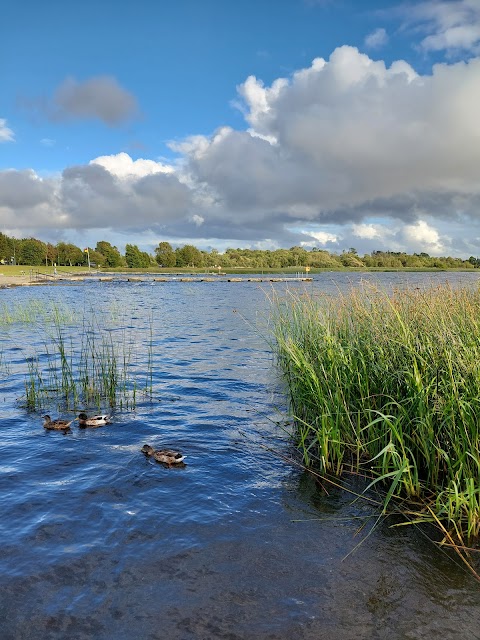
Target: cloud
<point>323,237</point>
<point>98,98</point>
<point>24,196</point>
<point>350,134</point>
<point>451,25</point>
<point>47,142</point>
<point>95,197</point>
<point>346,151</point>
<point>121,165</point>
<point>23,189</point>
<point>198,220</point>
<point>376,39</point>
<point>423,237</point>
<point>370,231</point>
<point>89,197</point>
<point>6,134</point>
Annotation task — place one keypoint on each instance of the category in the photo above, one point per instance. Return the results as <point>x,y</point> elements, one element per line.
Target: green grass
<point>18,269</point>
<point>267,270</point>
<point>388,385</point>
<point>78,360</point>
<point>35,312</point>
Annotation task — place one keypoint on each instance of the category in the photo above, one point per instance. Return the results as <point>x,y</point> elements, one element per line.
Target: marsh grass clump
<point>35,311</point>
<point>87,363</point>
<point>388,384</point>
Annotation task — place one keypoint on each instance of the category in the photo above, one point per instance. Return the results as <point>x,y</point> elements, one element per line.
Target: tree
<point>51,254</point>
<point>212,259</point>
<point>69,254</point>
<point>352,260</point>
<point>31,252</point>
<point>6,248</point>
<point>96,258</point>
<point>165,255</point>
<point>298,257</point>
<point>323,259</point>
<point>188,256</point>
<point>112,256</point>
<point>136,258</point>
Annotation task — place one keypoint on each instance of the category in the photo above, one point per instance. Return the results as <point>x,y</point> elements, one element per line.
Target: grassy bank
<point>388,385</point>
<point>21,270</point>
<point>267,270</point>
<point>25,270</point>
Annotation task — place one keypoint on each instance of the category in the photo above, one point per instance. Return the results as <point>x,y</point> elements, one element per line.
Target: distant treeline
<point>30,251</point>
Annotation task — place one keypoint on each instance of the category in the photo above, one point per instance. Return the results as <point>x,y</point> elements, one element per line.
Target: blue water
<point>97,541</point>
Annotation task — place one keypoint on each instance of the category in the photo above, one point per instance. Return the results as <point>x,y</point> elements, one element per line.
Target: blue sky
<point>255,123</point>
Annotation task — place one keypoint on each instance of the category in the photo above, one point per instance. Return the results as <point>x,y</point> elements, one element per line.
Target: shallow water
<point>99,542</point>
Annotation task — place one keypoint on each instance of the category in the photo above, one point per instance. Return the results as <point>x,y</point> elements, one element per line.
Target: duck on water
<point>56,425</point>
<point>165,456</point>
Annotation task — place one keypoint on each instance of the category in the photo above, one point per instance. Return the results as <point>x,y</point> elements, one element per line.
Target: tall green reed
<point>388,384</point>
<point>34,311</point>
<point>85,363</point>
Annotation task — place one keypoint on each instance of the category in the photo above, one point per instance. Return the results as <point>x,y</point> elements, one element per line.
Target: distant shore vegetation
<point>34,252</point>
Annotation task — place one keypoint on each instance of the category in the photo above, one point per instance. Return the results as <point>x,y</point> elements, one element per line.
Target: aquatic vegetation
<point>34,311</point>
<point>387,384</point>
<point>4,366</point>
<point>89,362</point>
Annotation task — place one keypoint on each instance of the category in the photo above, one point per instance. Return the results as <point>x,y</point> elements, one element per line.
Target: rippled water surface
<point>99,542</point>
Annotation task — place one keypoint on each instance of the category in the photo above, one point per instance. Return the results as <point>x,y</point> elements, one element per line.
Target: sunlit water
<point>97,541</point>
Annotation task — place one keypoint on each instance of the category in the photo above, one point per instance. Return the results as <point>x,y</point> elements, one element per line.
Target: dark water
<point>96,541</point>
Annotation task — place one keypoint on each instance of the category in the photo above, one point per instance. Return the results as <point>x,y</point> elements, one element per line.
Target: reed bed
<point>93,359</point>
<point>387,384</point>
<point>35,311</point>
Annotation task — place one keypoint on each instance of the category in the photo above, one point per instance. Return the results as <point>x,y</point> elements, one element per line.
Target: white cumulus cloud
<point>423,236</point>
<point>350,149</point>
<point>198,220</point>
<point>323,237</point>
<point>451,25</point>
<point>122,165</point>
<point>376,39</point>
<point>371,231</point>
<point>6,134</point>
<point>352,134</point>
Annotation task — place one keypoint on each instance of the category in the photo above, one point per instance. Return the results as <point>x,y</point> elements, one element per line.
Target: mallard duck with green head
<point>93,421</point>
<point>165,456</point>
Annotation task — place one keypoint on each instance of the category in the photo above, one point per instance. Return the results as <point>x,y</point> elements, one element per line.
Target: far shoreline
<point>19,275</point>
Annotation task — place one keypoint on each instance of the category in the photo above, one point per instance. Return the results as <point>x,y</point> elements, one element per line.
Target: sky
<point>259,124</point>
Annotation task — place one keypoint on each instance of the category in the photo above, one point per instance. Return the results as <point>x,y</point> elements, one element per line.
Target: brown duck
<point>56,425</point>
<point>166,456</point>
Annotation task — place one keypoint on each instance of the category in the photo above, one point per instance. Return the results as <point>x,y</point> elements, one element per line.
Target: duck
<point>58,425</point>
<point>93,421</point>
<point>166,456</point>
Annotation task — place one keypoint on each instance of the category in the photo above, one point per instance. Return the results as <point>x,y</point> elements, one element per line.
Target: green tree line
<point>33,252</point>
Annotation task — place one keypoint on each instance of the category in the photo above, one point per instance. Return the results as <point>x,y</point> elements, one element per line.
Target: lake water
<point>97,541</point>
